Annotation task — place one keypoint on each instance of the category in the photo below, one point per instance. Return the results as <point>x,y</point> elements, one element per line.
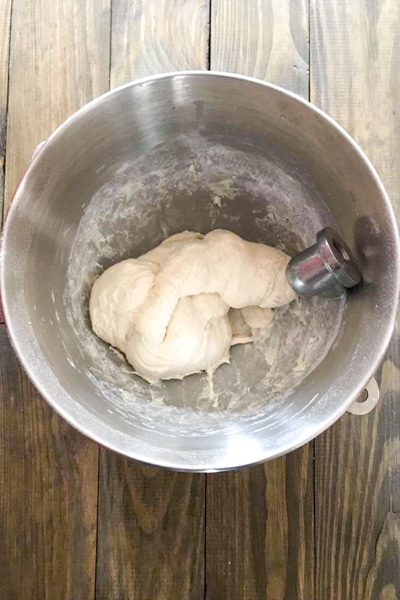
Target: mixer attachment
<point>326,269</point>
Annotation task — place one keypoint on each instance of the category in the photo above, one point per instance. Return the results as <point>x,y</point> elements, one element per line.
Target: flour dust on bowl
<point>198,151</point>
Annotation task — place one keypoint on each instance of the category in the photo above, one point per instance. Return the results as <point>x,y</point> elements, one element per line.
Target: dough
<point>177,309</point>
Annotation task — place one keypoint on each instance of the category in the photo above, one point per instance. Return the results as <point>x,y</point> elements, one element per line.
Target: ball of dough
<point>177,309</point>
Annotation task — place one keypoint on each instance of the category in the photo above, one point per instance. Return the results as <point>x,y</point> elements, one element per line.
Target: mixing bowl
<point>198,151</point>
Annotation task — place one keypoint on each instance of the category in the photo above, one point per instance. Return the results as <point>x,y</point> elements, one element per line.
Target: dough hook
<point>326,269</point>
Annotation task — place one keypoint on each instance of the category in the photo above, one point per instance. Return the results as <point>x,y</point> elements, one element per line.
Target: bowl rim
<point>98,432</point>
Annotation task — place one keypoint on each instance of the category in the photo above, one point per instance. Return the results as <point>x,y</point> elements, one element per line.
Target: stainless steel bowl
<point>198,150</point>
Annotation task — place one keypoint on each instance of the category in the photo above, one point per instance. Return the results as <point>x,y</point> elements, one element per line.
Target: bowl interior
<point>202,181</point>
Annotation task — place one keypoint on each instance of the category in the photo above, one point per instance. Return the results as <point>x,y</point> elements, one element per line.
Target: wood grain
<point>355,76</point>
<point>59,59</point>
<point>259,521</point>
<point>267,40</point>
<point>5,29</point>
<point>158,36</point>
<point>151,521</point>
<point>48,496</point>
<point>259,536</point>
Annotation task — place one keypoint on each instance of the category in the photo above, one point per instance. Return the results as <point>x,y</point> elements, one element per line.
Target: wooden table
<point>79,522</point>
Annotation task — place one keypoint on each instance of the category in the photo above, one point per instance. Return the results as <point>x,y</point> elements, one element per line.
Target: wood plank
<point>59,59</point>
<point>151,521</point>
<point>259,542</point>
<point>259,536</point>
<point>151,532</point>
<point>355,76</point>
<point>5,29</point>
<point>158,36</point>
<point>267,40</point>
<point>48,494</point>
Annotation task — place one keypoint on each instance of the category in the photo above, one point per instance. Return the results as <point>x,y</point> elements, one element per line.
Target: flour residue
<point>199,184</point>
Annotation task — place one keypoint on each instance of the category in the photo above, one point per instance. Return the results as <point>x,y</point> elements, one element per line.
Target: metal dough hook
<point>326,269</point>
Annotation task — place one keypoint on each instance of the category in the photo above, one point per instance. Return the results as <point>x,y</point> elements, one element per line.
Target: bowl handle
<point>367,400</point>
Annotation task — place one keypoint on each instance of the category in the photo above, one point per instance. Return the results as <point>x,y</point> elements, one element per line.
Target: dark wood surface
<point>48,495</point>
<point>355,77</point>
<point>77,521</point>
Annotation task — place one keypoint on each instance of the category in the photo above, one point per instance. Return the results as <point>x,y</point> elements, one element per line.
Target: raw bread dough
<point>177,309</point>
